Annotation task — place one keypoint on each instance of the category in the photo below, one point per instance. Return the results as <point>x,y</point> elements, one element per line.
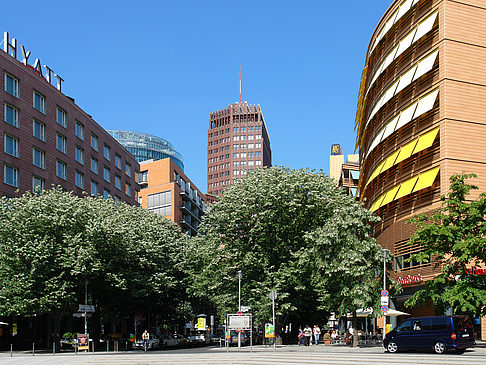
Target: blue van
<point>439,334</point>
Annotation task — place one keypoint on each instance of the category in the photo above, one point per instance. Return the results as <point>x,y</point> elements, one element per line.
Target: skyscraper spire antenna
<point>240,83</point>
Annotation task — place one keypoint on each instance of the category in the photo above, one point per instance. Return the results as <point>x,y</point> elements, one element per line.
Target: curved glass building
<point>147,147</point>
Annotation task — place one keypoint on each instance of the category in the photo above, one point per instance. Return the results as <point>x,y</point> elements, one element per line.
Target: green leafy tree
<point>454,237</point>
<point>52,242</point>
<point>293,231</point>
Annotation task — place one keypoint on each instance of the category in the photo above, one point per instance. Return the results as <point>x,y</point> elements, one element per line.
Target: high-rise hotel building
<point>421,118</point>
<point>238,143</point>
<point>47,139</point>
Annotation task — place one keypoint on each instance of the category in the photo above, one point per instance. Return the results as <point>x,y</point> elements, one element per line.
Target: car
<point>245,340</point>
<point>172,340</point>
<point>152,343</point>
<point>439,334</point>
<point>198,338</point>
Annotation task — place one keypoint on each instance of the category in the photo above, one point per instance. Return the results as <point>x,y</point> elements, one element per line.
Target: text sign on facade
<point>239,322</point>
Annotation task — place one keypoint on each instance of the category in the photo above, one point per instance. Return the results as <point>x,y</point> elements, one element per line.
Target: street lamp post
<point>239,304</point>
<point>385,254</point>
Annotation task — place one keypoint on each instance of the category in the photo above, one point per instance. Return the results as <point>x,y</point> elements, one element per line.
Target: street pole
<point>385,253</point>
<point>274,326</point>
<point>85,302</point>
<point>239,304</point>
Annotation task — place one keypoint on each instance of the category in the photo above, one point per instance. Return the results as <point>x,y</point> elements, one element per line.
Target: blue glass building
<point>147,147</point>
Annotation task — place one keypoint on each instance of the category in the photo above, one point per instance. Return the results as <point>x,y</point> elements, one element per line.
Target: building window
<point>11,175</point>
<point>128,189</point>
<point>258,154</point>
<point>79,130</point>
<point>39,130</point>
<point>118,182</point>
<point>258,163</point>
<point>39,158</point>
<point>243,138</point>
<point>61,143</point>
<point>107,152</point>
<point>94,142</point>
<point>140,198</point>
<point>39,102</point>
<point>61,170</point>
<point>11,85</point>
<point>236,163</point>
<point>243,154</point>
<point>160,203</point>
<point>243,129</point>
<point>106,174</point>
<point>235,146</point>
<point>258,145</point>
<point>94,188</point>
<point>11,115</point>
<point>117,160</point>
<point>258,136</point>
<point>243,146</point>
<point>94,165</point>
<point>143,177</point>
<point>128,169</point>
<point>61,117</point>
<point>251,163</point>
<point>11,145</point>
<point>79,180</point>
<point>38,184</point>
<point>250,137</point>
<point>106,193</point>
<point>236,172</point>
<point>79,155</point>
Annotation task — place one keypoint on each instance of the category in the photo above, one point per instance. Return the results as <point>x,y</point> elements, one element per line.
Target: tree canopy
<point>52,242</point>
<point>294,231</point>
<point>454,238</point>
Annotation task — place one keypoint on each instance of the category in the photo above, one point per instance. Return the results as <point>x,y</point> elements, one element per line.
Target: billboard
<point>336,149</point>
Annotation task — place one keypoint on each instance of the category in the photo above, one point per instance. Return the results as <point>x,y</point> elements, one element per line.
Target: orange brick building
<point>167,191</point>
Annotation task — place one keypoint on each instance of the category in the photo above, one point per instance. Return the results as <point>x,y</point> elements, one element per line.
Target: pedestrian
<point>307,334</point>
<point>301,337</point>
<point>317,333</point>
<point>145,338</point>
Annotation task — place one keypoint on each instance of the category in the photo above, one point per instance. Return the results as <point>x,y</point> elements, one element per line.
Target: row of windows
<point>250,129</point>
<point>250,163</point>
<point>219,175</point>
<point>11,147</point>
<point>221,166</point>
<point>11,116</point>
<point>220,133</point>
<point>11,177</point>
<point>250,137</point>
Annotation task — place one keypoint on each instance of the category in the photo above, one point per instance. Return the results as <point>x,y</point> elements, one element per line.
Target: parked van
<point>439,334</point>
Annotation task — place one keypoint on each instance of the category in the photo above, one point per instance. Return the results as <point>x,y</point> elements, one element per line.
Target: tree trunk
<point>355,329</point>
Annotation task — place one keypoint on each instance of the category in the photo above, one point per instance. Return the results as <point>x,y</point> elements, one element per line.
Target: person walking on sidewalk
<point>317,334</point>
<point>307,335</point>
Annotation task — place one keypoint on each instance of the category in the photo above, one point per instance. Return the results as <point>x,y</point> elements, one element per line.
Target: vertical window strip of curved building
<point>145,146</point>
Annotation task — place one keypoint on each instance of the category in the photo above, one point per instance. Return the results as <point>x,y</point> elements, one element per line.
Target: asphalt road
<point>260,355</point>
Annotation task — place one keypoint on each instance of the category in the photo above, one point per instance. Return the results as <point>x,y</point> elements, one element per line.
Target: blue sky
<point>161,67</point>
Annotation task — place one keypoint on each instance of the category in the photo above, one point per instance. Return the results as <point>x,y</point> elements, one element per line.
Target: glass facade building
<point>147,147</point>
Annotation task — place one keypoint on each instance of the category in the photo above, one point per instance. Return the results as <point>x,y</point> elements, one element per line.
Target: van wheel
<point>439,347</point>
<point>392,347</point>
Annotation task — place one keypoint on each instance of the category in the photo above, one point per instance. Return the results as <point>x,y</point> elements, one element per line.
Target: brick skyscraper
<point>238,142</point>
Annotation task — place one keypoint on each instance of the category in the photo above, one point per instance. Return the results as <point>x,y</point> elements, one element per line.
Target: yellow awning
<point>390,195</point>
<point>426,140</point>
<point>390,161</point>
<point>377,203</point>
<point>406,187</point>
<point>406,151</point>
<point>376,172</point>
<point>426,179</point>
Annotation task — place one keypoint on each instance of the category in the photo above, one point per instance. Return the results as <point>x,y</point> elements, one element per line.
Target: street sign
<point>239,322</point>
<point>384,308</point>
<point>245,308</point>
<point>78,315</point>
<point>83,341</point>
<point>272,295</point>
<point>384,293</point>
<point>385,300</point>
<point>86,308</point>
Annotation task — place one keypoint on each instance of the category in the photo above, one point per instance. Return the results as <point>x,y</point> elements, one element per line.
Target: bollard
<point>107,346</point>
<point>11,350</point>
<point>53,348</point>
<point>126,345</point>
<point>33,348</point>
